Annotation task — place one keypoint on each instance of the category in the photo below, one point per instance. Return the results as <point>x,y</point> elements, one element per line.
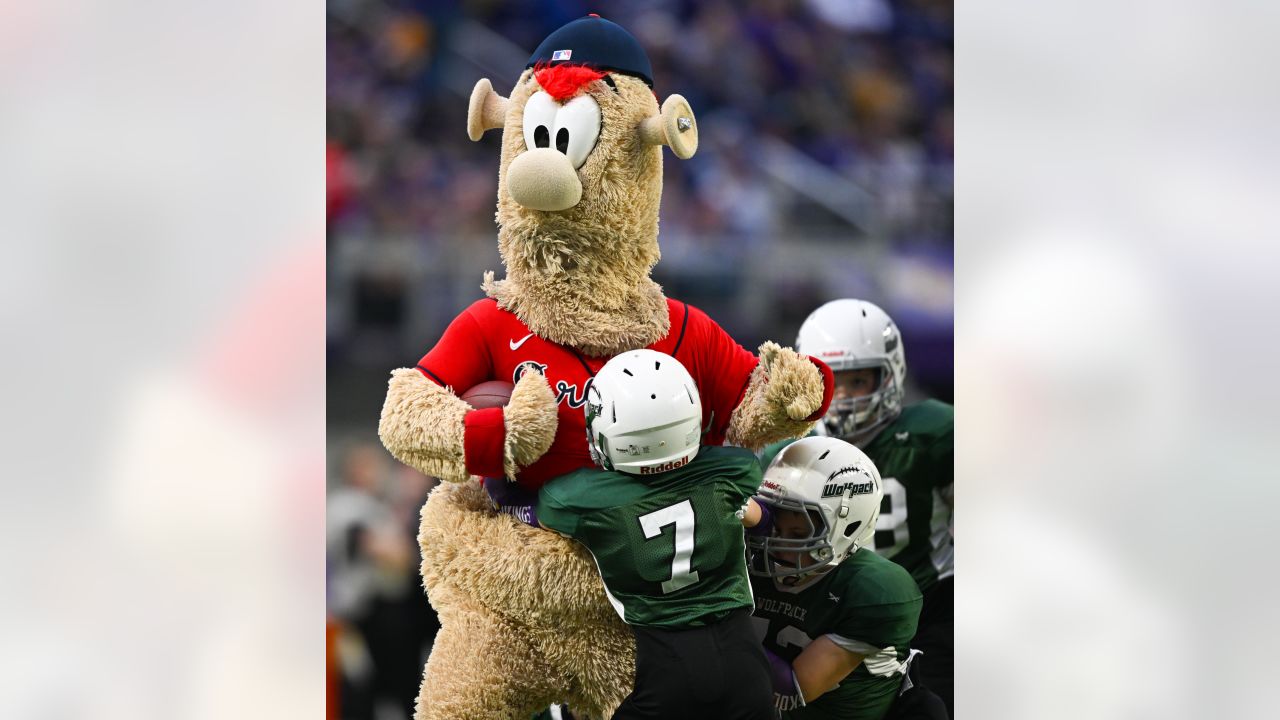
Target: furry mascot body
<point>524,618</point>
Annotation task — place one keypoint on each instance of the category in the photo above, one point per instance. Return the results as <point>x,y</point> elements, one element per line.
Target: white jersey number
<point>788,635</point>
<point>895,520</point>
<point>681,514</point>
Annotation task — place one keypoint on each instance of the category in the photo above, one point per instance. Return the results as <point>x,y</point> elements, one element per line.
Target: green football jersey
<point>914,456</point>
<point>669,547</point>
<point>868,605</point>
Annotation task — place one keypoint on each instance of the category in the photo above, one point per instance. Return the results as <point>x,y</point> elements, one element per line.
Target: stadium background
<point>825,171</point>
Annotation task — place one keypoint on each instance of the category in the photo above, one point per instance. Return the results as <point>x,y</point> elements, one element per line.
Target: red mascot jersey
<point>486,342</point>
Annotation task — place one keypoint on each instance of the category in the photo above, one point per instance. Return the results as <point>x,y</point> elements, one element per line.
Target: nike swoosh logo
<point>516,345</point>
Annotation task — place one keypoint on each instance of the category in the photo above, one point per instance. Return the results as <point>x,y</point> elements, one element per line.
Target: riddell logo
<point>831,353</point>
<point>655,469</point>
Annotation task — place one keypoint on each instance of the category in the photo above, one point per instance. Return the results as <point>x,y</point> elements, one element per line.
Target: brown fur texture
<point>580,277</point>
<point>421,425</point>
<point>523,614</point>
<point>785,388</point>
<point>524,617</point>
<point>530,419</point>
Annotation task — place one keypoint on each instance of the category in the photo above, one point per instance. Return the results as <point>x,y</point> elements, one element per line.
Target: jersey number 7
<point>681,514</point>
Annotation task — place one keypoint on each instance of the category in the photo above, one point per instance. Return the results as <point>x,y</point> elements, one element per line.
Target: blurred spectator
<point>355,512</point>
<point>373,584</point>
<point>856,94</point>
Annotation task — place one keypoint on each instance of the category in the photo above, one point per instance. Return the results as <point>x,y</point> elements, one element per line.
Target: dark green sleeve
<point>881,608</point>
<point>942,458</point>
<point>939,450</point>
<point>882,626</point>
<point>554,512</point>
<point>743,476</point>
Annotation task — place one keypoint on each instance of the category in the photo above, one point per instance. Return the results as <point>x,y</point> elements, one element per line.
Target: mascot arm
<point>426,426</point>
<point>719,365</point>
<point>530,420</point>
<point>422,425</point>
<point>752,401</point>
<point>786,394</point>
<point>499,441</point>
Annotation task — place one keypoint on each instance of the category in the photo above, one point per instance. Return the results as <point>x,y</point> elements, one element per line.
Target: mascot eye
<point>539,118</point>
<point>578,123</point>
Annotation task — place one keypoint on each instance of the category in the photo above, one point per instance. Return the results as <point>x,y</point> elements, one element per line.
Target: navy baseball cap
<point>596,43</point>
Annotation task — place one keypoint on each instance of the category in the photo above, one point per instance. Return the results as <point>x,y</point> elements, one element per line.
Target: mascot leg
<point>524,618</point>
<point>601,660</point>
<point>473,663</point>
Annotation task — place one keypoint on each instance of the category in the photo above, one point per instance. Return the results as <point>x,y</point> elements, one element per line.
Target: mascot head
<point>579,186</point>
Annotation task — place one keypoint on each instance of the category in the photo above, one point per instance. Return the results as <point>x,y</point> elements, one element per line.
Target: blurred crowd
<point>381,626</point>
<point>825,166</point>
<point>824,171</point>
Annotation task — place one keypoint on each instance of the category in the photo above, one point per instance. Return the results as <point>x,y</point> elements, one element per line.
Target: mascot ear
<point>675,127</point>
<point>486,111</point>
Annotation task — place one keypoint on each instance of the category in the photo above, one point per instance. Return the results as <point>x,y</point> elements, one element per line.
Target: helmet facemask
<point>814,550</point>
<point>836,488</point>
<point>858,419</point>
<point>768,556</point>
<point>597,445</point>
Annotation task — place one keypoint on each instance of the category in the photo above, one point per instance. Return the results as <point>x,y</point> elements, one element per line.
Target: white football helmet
<point>644,414</point>
<point>849,335</point>
<point>836,487</point>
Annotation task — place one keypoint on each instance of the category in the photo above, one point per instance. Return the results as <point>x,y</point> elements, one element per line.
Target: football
<point>488,394</point>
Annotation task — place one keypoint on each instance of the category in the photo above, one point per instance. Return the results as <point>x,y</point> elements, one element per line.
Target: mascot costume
<point>524,618</point>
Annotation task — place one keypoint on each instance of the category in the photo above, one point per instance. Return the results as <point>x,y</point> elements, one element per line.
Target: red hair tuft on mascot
<point>525,621</point>
<point>562,82</point>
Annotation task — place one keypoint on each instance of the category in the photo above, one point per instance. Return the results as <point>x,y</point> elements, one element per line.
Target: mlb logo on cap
<point>597,44</point>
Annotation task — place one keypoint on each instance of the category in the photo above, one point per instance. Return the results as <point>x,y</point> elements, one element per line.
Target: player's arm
<point>814,672</point>
<point>553,512</point>
<point>756,516</point>
<point>822,666</point>
<point>752,513</point>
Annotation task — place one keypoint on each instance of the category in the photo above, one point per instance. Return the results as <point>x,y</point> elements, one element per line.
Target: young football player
<point>664,520</point>
<point>835,618</point>
<point>912,448</point>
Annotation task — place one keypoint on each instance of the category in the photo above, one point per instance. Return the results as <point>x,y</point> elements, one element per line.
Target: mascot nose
<point>543,179</point>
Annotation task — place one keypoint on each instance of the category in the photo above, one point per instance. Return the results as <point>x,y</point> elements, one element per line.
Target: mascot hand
<point>794,384</point>
<point>530,418</point>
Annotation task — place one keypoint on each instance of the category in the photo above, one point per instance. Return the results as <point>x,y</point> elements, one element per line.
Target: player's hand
<point>530,418</point>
